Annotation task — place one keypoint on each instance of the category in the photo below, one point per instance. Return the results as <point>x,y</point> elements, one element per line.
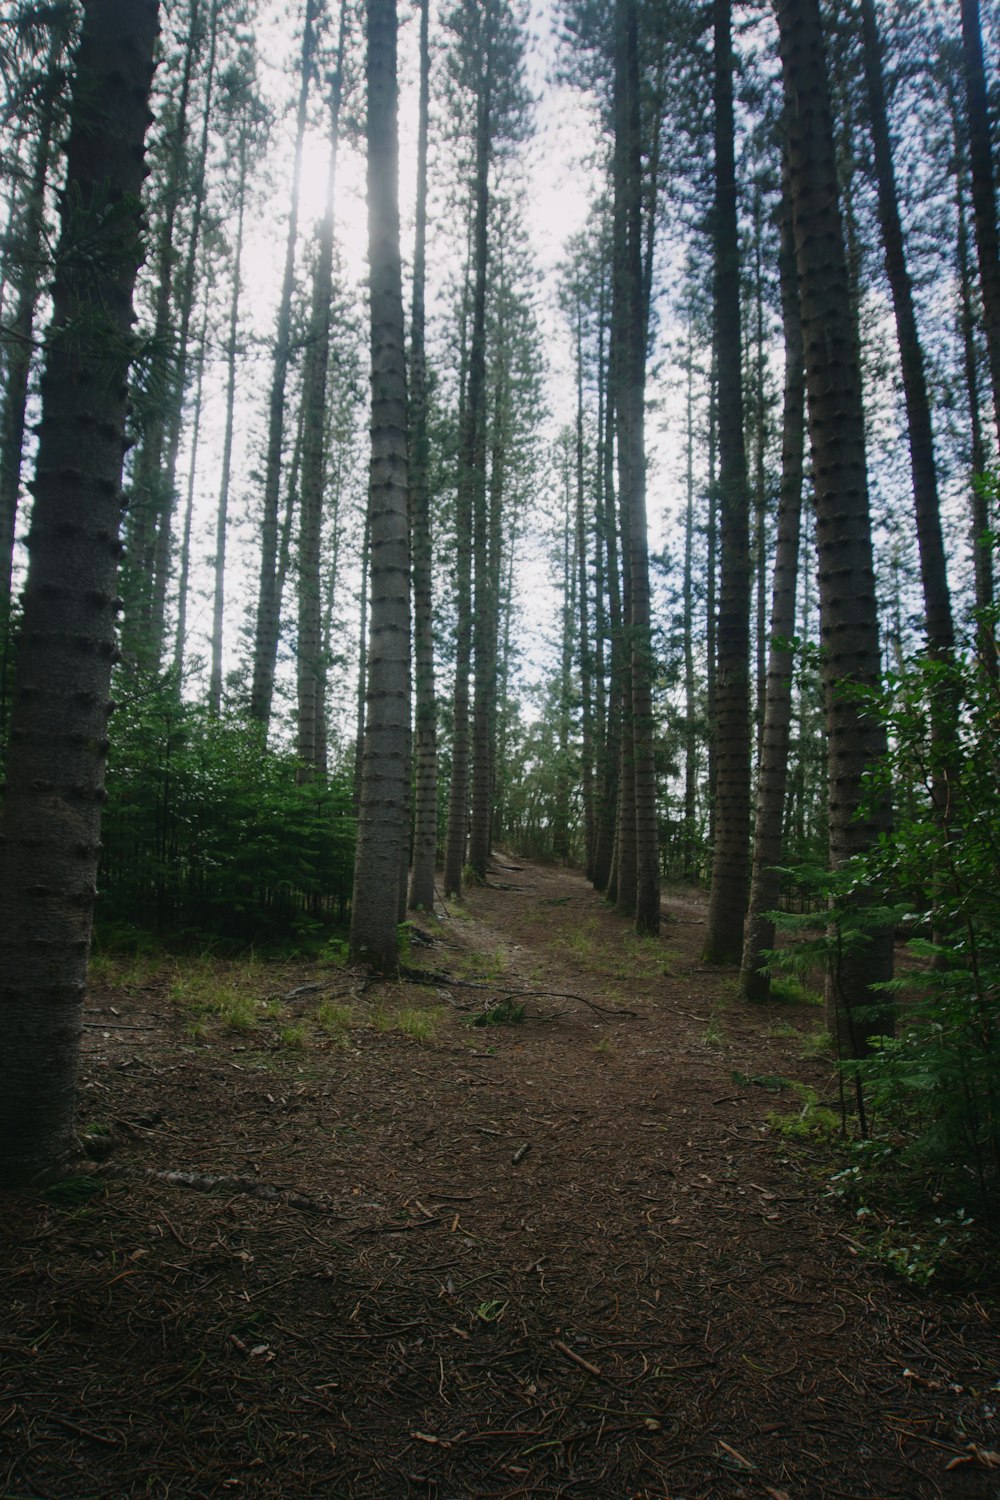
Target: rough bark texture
<point>50,826</point>
<point>730,864</point>
<point>638,887</point>
<point>848,619</point>
<point>765,883</point>
<point>425,748</point>
<point>984,203</point>
<point>385,775</point>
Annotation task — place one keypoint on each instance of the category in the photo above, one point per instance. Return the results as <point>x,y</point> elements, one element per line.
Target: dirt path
<point>560,1258</point>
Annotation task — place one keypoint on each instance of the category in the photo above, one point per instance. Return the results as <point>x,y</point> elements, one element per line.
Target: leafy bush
<point>207,834</point>
<point>934,1087</point>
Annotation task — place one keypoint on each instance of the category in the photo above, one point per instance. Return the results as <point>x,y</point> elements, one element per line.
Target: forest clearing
<point>422,1258</point>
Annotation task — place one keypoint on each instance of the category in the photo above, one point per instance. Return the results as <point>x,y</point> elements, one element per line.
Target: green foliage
<point>934,1087</point>
<point>207,834</point>
<point>812,1120</point>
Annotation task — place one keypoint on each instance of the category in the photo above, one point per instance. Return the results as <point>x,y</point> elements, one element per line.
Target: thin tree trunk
<point>982,545</point>
<point>984,203</point>
<point>184,564</point>
<point>268,617</point>
<point>27,254</point>
<point>470,500</point>
<point>923,469</point>
<point>765,885</point>
<point>225,480</point>
<point>730,866</point>
<point>359,739</point>
<point>147,496</point>
<point>687,609</point>
<point>310,664</point>
<point>425,780</point>
<point>585,655</point>
<point>50,823</point>
<point>162,553</point>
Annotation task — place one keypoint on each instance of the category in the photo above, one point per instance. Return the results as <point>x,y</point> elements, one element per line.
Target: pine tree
<point>50,824</point>
<point>382,831</point>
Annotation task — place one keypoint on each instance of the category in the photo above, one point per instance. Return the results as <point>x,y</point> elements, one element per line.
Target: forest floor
<point>351,1245</point>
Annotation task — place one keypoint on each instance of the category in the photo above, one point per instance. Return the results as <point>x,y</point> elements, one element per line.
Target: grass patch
<point>787,989</point>
<point>411,1021</point>
<point>293,1037</point>
<point>334,1020</point>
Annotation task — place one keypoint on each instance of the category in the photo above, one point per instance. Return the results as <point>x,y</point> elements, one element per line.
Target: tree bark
<point>50,824</point>
<point>268,619</point>
<point>470,500</point>
<point>27,255</point>
<point>310,663</point>
<point>984,203</point>
<point>382,825</point>
<point>730,865</point>
<point>425,779</point>
<point>849,634</point>
<point>225,479</point>
<point>923,469</point>
<point>765,884</point>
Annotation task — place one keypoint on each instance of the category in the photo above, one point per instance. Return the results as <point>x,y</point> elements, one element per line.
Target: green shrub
<point>207,834</point>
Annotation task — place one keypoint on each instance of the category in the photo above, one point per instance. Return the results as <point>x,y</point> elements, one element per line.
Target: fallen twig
<point>577,1359</point>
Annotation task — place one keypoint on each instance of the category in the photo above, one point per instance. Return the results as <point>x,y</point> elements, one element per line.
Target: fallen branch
<point>202,1182</point>
<point>435,976</point>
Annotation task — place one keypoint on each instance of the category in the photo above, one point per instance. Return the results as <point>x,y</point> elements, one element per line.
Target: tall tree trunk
<point>984,203</point>
<point>605,862</point>
<point>727,906</point>
<point>147,492</point>
<point>848,617</point>
<point>638,824</point>
<point>184,562</point>
<point>765,885</point>
<point>163,550</point>
<point>310,663</point>
<point>50,824</point>
<point>268,618</point>
<point>425,779</point>
<point>923,469</point>
<point>689,864</point>
<point>385,778</point>
<point>28,221</point>
<point>712,587</point>
<point>470,500</point>
<point>585,653</point>
<point>359,739</point>
<point>982,545</point>
<point>225,478</point>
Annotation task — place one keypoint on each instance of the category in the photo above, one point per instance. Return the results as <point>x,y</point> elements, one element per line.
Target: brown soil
<point>563,1258</point>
